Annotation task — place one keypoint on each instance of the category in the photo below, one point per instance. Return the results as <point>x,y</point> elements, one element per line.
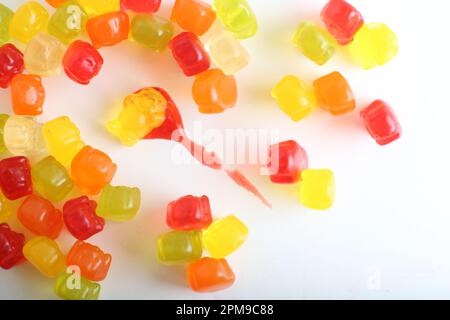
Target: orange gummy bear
<point>27,94</point>
<point>193,15</point>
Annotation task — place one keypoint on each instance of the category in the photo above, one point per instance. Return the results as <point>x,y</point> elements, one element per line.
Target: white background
<point>388,235</point>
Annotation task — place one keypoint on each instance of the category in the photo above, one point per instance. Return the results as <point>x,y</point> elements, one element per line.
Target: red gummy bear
<point>80,218</point>
<point>11,63</point>
<point>141,6</point>
<point>82,62</point>
<point>11,245</point>
<point>287,160</point>
<point>189,213</point>
<point>15,177</point>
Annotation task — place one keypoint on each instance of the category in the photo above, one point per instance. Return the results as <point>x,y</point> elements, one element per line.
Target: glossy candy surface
<point>80,218</point>
<point>317,190</point>
<point>287,160</point>
<point>67,289</point>
<point>334,94</point>
<point>30,19</point>
<point>6,15</point>
<point>214,92</point>
<point>5,208</point>
<point>381,122</point>
<point>51,179</point>
<point>190,54</point>
<point>15,177</point>
<point>141,6</point>
<point>180,247</point>
<point>119,204</point>
<point>44,54</point>
<point>11,244</point>
<point>11,63</point>
<point>224,236</point>
<point>152,31</point>
<point>209,275</point>
<point>193,15</point>
<point>93,262</point>
<point>3,119</point>
<point>294,97</point>
<point>108,29</point>
<point>98,7</point>
<point>237,17</point>
<point>67,22</point>
<point>55,3</point>
<point>314,43</point>
<point>82,62</point>
<point>189,213</point>
<point>28,94</point>
<point>46,256</point>
<point>40,217</point>
<point>23,136</point>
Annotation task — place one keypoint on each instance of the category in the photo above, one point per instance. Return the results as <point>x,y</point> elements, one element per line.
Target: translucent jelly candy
<point>226,52</point>
<point>374,45</point>
<point>6,15</point>
<point>214,92</point>
<point>51,179</point>
<point>317,189</point>
<point>46,256</point>
<point>238,17</point>
<point>63,139</point>
<point>314,43</point>
<point>67,22</point>
<point>141,6</point>
<point>5,208</point>
<point>11,63</point>
<point>119,204</point>
<point>108,29</point>
<point>189,213</point>
<point>98,7</point>
<point>82,62</point>
<point>3,119</point>
<point>80,218</point>
<point>28,94</point>
<point>294,97</point>
<point>190,54</point>
<point>93,262</point>
<point>343,21</point>
<point>151,31</point>
<point>180,247</point>
<point>209,275</point>
<point>87,290</point>
<point>23,136</point>
<point>287,161</point>
<point>40,217</point>
<point>15,177</point>
<point>382,122</point>
<point>334,94</point>
<point>56,3</point>
<point>44,54</point>
<point>142,112</point>
<point>11,244</point>
<point>193,15</point>
<point>91,170</point>
<point>224,236</point>
<point>29,19</point>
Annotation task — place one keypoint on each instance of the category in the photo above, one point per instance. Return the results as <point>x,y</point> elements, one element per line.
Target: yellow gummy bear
<point>30,19</point>
<point>98,7</point>
<point>45,255</point>
<point>5,208</point>
<point>317,190</point>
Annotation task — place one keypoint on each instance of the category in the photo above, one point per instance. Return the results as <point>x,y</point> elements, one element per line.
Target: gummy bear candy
<point>141,6</point>
<point>3,119</point>
<point>193,15</point>
<point>343,21</point>
<point>314,43</point>
<point>317,190</point>
<point>190,54</point>
<point>5,208</point>
<point>11,63</point>
<point>28,94</point>
<point>46,256</point>
<point>189,213</point>
<point>6,15</point>
<point>98,7</point>
<point>93,262</point>
<point>23,136</point>
<point>80,218</point>
<point>238,17</point>
<point>108,29</point>
<point>82,62</point>
<point>91,170</point>
<point>40,217</point>
<point>63,139</point>
<point>67,22</point>
<point>180,247</point>
<point>51,179</point>
<point>44,54</point>
<point>87,290</point>
<point>15,177</point>
<point>119,204</point>
<point>29,19</point>
<point>374,45</point>
<point>214,92</point>
<point>11,244</point>
<point>56,3</point>
<point>294,97</point>
<point>152,31</point>
<point>142,111</point>
<point>287,161</point>
<point>209,275</point>
<point>382,122</point>
<point>334,94</point>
